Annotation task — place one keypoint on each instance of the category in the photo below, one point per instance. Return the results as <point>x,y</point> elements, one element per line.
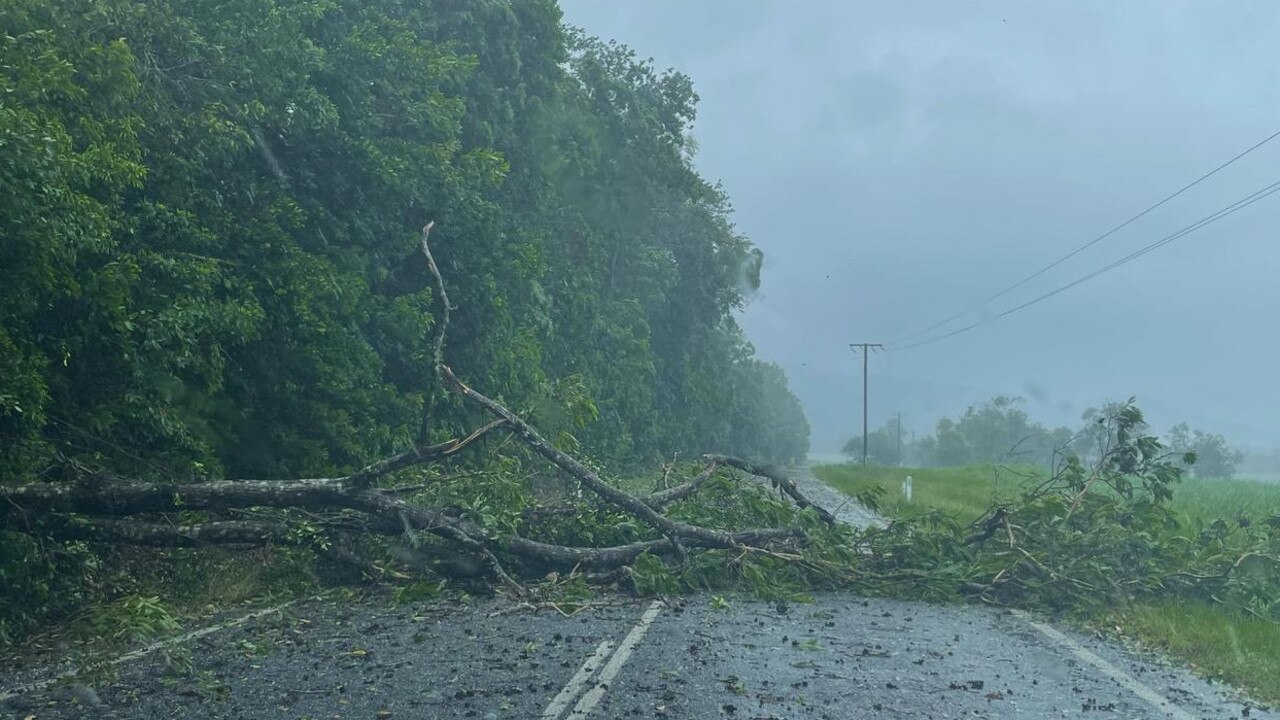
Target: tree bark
<point>43,507</point>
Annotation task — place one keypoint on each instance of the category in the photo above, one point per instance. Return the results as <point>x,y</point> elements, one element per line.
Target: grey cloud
<point>899,162</point>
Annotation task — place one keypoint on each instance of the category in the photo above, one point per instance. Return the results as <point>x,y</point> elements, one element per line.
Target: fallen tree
<point>330,515</point>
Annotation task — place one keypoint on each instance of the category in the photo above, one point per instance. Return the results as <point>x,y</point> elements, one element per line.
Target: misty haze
<point>900,164</point>
<point>573,359</point>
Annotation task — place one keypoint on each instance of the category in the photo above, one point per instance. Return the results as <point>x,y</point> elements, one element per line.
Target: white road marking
<point>148,649</point>
<point>611,669</point>
<point>578,683</point>
<point>1125,679</point>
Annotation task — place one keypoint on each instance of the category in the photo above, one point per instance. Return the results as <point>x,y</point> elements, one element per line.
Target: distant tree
<point>1211,455</point>
<point>999,430</point>
<point>949,446</point>
<point>882,445</point>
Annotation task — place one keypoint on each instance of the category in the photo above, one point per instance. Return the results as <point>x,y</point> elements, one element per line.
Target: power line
<point>1238,205</point>
<point>1202,222</point>
<point>928,341</point>
<point>940,323</point>
<point>1094,241</point>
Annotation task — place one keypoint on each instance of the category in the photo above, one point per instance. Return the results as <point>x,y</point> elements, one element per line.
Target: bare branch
<point>445,306</point>
<point>676,531</point>
<point>779,480</point>
<point>417,455</point>
<point>663,498</point>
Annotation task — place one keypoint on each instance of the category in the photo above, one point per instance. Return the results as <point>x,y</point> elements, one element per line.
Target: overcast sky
<point>900,162</point>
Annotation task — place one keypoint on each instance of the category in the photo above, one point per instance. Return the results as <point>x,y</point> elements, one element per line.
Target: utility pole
<point>898,423</point>
<point>864,349</point>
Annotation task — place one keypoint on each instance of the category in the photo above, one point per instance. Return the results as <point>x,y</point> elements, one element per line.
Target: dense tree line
<point>208,245</point>
<point>999,430</point>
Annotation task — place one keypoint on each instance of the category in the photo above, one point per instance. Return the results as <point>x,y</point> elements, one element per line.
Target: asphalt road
<point>839,657</point>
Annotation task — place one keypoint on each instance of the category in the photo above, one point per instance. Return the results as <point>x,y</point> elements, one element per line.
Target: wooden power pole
<point>864,349</point>
<point>898,423</point>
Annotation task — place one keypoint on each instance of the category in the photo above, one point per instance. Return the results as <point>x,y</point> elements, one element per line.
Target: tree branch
<point>445,306</point>
<point>102,509</point>
<point>779,480</point>
<point>663,498</point>
<point>417,455</point>
<point>388,515</point>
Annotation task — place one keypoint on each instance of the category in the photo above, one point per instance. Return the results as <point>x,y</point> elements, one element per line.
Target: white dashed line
<point>578,683</point>
<point>1126,680</point>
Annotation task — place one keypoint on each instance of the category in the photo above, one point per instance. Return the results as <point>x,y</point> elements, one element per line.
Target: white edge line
<point>611,669</point>
<point>148,649</point>
<point>1125,679</point>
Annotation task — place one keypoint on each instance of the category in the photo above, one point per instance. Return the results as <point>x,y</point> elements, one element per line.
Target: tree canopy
<point>1209,453</point>
<point>208,249</point>
<point>885,445</point>
<point>998,430</point>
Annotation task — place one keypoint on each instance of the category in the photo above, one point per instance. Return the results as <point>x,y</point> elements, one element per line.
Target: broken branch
<point>779,480</point>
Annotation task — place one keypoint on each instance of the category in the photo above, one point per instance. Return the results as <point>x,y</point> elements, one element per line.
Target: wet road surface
<point>839,657</point>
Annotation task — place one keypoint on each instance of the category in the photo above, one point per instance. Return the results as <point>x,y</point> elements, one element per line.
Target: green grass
<point>965,492</point>
<point>968,491</point>
<point>1242,651</point>
<point>1214,498</point>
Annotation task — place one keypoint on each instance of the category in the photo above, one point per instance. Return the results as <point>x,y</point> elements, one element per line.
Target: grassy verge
<point>965,492</point>
<point>1243,651</point>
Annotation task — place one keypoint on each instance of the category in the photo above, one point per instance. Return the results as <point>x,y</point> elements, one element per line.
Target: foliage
<point>130,619</point>
<point>1089,537</point>
<point>1220,633</point>
<point>885,445</point>
<point>569,593</point>
<point>650,577</point>
<point>52,580</point>
<point>418,591</point>
<point>210,265</point>
<point>999,430</point>
<point>1212,456</point>
<point>826,561</point>
<point>209,240</point>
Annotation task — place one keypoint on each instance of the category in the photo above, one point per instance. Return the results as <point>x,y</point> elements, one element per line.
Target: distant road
<point>841,505</point>
<point>827,459</point>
